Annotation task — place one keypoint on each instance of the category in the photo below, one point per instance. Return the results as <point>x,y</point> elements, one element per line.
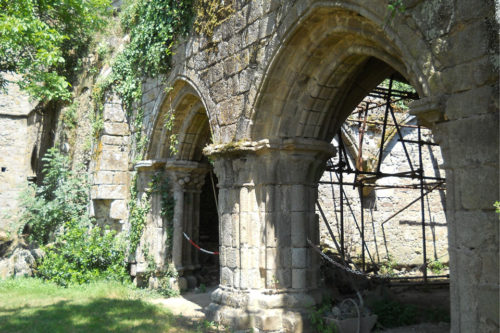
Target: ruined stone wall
<point>19,127</point>
<point>400,238</point>
<point>110,166</point>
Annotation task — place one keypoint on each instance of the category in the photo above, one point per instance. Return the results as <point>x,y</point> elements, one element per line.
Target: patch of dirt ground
<point>191,306</point>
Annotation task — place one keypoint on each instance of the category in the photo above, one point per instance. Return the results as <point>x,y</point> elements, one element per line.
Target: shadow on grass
<point>99,315</point>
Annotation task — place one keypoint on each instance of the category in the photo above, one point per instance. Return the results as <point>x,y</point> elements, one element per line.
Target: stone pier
<point>267,195</point>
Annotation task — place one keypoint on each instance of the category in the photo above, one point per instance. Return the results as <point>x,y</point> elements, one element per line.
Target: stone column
<point>187,178</point>
<point>267,194</point>
<point>154,234</point>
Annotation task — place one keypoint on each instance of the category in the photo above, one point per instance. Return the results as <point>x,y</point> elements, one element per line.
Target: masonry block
<point>118,210</point>
<point>299,257</point>
<point>116,129</point>
<point>109,192</point>
<point>299,278</point>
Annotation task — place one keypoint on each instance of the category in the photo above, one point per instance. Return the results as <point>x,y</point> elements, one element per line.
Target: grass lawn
<point>31,305</point>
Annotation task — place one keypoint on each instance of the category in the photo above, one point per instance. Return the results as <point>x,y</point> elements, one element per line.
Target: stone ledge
<point>291,144</point>
<point>255,300</point>
<point>183,165</point>
<point>147,165</point>
<point>429,110</point>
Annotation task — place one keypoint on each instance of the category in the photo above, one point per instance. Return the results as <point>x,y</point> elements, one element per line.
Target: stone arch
<point>190,124</point>
<point>180,132</point>
<point>322,66</point>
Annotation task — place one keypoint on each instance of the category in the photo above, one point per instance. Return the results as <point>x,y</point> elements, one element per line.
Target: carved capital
<point>287,161</point>
<point>187,175</point>
<point>146,169</point>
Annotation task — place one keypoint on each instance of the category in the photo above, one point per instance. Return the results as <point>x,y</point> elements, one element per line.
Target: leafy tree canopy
<point>42,41</point>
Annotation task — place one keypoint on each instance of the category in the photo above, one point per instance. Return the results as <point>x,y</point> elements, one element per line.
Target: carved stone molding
<point>187,175</point>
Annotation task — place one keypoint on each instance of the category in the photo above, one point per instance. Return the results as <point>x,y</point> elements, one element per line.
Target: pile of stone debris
<point>17,258</point>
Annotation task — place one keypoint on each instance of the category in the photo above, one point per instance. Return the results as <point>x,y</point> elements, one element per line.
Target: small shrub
<point>436,267</point>
<point>316,316</point>
<point>57,209</point>
<point>388,267</point>
<point>70,116</point>
<point>163,276</point>
<point>83,253</point>
<point>61,197</point>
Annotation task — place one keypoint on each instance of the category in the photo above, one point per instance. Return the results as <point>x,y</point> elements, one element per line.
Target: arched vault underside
<point>181,130</point>
<point>329,63</point>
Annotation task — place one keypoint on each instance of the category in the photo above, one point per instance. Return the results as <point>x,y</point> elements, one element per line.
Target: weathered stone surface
<point>475,101</point>
<point>113,161</point>
<point>14,101</point>
<point>17,259</point>
<point>118,210</point>
<point>114,113</point>
<point>18,133</point>
<point>116,128</point>
<point>103,178</point>
<point>109,192</point>
<point>114,140</point>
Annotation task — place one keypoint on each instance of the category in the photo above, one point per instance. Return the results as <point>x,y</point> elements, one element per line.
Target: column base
<point>263,311</point>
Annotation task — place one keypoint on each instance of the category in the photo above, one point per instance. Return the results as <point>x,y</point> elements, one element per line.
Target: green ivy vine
<point>153,28</point>
<point>160,184</point>
<point>140,208</point>
<point>138,213</point>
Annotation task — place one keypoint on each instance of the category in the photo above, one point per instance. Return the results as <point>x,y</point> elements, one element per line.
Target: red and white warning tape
<point>198,247</point>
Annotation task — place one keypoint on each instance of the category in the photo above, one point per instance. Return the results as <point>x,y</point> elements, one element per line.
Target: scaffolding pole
<point>366,179</point>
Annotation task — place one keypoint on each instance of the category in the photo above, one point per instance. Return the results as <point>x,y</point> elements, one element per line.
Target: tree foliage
<point>42,41</point>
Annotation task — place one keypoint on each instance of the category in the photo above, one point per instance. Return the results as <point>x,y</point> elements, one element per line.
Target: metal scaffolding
<point>377,99</point>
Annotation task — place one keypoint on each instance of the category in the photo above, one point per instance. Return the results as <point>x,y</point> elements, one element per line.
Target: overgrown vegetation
<point>436,267</point>
<point>76,250</point>
<point>153,27</point>
<point>61,197</point>
<point>161,185</point>
<point>317,317</point>
<point>139,209</point>
<point>43,41</point>
<point>388,267</point>
<point>84,253</point>
<point>163,277</point>
<point>56,211</point>
<point>209,15</point>
<point>137,217</point>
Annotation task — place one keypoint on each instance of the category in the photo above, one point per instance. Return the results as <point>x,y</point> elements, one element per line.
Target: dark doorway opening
<point>209,232</point>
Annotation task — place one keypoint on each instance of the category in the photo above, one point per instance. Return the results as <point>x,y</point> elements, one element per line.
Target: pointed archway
<point>180,133</point>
